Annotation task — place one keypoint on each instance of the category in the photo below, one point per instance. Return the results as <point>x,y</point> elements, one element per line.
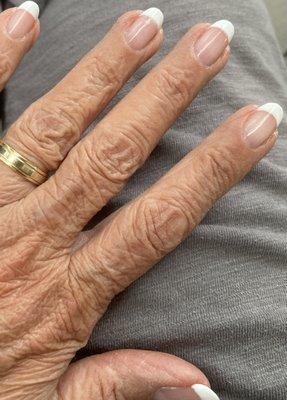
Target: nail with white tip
<point>274,109</point>
<point>212,44</point>
<point>144,28</point>
<point>156,15</point>
<point>23,20</point>
<point>227,27</point>
<point>196,392</point>
<point>262,124</point>
<point>31,7</point>
<point>204,392</point>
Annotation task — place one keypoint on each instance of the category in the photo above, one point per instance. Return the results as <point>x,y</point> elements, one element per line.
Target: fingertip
<point>275,110</point>
<point>195,392</point>
<point>204,392</point>
<point>18,32</point>
<point>143,30</point>
<point>32,8</point>
<point>36,34</point>
<point>22,21</point>
<point>211,49</point>
<point>156,15</point>
<point>227,27</point>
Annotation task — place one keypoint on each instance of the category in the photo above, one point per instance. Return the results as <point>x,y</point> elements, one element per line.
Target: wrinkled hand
<point>56,281</point>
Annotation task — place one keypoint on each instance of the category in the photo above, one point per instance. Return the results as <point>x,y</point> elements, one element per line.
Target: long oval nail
<point>196,392</point>
<point>144,28</point>
<point>23,20</point>
<point>213,42</point>
<point>262,124</point>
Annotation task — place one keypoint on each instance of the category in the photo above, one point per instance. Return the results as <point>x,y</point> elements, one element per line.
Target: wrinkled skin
<point>55,281</point>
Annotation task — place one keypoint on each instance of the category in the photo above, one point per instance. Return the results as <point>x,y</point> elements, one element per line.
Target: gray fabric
<point>220,299</point>
<point>278,12</point>
<point>16,3</point>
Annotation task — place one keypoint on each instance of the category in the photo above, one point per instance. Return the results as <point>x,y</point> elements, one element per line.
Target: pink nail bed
<point>195,392</point>
<point>211,45</point>
<point>23,20</point>
<point>262,124</point>
<point>144,28</point>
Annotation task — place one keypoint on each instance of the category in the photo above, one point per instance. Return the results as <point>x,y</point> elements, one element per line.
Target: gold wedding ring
<point>21,165</point>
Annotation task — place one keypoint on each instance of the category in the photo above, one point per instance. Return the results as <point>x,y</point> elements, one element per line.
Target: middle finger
<point>99,166</point>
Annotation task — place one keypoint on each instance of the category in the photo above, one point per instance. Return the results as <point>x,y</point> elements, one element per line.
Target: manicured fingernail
<point>262,124</point>
<point>23,20</point>
<point>213,42</point>
<point>196,392</point>
<point>144,28</point>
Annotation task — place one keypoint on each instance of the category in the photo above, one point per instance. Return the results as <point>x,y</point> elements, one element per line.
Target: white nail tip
<point>204,392</point>
<point>31,7</point>
<point>274,109</point>
<point>227,27</point>
<point>155,14</point>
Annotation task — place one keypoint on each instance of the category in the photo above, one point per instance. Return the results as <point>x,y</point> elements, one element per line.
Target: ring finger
<point>48,129</point>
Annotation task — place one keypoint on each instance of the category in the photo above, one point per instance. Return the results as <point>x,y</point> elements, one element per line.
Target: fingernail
<point>262,124</point>
<point>23,20</point>
<point>196,392</point>
<point>213,42</point>
<point>144,28</point>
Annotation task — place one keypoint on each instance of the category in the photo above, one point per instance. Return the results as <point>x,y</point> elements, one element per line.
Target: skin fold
<point>56,282</point>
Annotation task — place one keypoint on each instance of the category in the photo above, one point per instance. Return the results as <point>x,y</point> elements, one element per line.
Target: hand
<point>56,281</point>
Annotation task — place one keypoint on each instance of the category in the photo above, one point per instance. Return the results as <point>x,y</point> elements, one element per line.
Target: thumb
<point>134,375</point>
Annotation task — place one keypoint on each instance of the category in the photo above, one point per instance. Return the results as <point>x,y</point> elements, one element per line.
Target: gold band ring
<point>21,165</point>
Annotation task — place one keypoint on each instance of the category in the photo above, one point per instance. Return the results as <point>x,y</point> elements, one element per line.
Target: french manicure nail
<point>23,20</point>
<point>213,42</point>
<point>196,392</point>
<point>144,28</point>
<point>262,124</point>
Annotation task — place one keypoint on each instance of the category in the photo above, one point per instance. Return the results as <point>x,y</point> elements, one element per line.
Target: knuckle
<point>174,84</point>
<point>112,278</point>
<point>103,75</point>
<point>116,156</point>
<point>161,224</point>
<point>6,69</point>
<point>219,170</point>
<point>48,133</point>
<point>84,175</point>
<point>98,288</point>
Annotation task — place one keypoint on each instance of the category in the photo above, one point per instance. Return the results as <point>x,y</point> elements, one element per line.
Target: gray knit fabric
<point>16,3</point>
<point>220,300</point>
